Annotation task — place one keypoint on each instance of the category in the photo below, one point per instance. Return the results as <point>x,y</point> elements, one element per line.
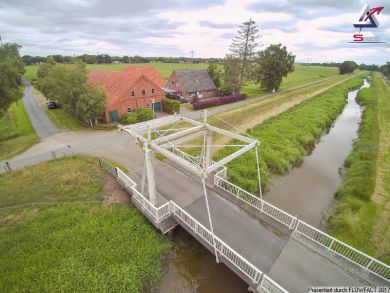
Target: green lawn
<point>287,137</point>
<point>16,132</point>
<point>71,244</point>
<point>362,208</point>
<point>64,120</point>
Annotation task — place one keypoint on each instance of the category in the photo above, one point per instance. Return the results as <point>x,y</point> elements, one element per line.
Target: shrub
<point>170,106</point>
<point>137,115</point>
<point>202,104</point>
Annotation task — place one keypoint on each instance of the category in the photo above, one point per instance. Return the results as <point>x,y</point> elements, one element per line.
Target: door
<point>114,116</point>
<point>157,106</point>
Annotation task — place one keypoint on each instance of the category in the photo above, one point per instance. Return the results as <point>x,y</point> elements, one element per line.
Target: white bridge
<point>271,250</point>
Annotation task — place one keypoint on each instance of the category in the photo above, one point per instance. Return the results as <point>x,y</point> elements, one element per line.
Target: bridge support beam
<point>149,169</point>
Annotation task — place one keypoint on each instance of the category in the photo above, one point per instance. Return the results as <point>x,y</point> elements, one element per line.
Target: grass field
<point>72,243</point>
<point>287,137</point>
<point>16,132</point>
<point>362,208</point>
<point>64,119</point>
<point>301,75</point>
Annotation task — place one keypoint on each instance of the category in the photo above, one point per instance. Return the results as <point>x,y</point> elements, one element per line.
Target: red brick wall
<point>126,100</point>
<point>177,85</point>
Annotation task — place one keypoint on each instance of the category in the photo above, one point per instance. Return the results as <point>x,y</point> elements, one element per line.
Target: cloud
<point>316,30</point>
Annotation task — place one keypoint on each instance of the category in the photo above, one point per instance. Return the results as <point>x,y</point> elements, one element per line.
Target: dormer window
<point>143,92</point>
<point>132,93</point>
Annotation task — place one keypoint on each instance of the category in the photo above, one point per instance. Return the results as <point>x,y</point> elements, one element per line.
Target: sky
<point>313,30</point>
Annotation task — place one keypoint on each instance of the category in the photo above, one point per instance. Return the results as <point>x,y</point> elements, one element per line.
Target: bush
<point>202,104</point>
<point>170,106</point>
<point>137,115</point>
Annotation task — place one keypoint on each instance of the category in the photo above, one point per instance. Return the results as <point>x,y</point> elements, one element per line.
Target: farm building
<point>191,83</point>
<point>131,88</point>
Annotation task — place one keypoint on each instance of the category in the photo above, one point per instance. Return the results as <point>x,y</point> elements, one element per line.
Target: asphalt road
<point>41,123</point>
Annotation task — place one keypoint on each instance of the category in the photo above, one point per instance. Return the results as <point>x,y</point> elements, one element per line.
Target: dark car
<point>53,105</point>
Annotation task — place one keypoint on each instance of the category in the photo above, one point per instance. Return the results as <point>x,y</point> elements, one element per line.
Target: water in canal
<point>306,191</point>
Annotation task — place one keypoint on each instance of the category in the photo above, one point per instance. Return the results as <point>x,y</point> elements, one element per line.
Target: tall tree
<point>215,74</point>
<point>385,69</point>
<point>244,46</point>
<point>272,64</point>
<point>11,72</point>
<point>231,77</point>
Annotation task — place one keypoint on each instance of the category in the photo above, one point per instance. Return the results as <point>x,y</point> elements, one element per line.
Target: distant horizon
<point>314,31</point>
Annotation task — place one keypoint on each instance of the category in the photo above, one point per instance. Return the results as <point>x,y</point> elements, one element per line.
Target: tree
<point>272,64</point>
<point>65,84</point>
<point>215,74</point>
<point>347,67</point>
<point>231,78</point>
<point>91,104</point>
<point>11,72</point>
<point>244,46</point>
<point>385,69</point>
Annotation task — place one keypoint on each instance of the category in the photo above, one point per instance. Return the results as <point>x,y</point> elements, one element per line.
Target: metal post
<point>258,172</point>
<point>143,179</point>
<point>209,215</point>
<point>209,139</point>
<point>8,166</point>
<point>149,169</point>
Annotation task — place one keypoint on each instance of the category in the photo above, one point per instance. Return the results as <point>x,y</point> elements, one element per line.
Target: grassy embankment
<point>55,227</point>
<point>16,132</point>
<point>362,207</point>
<point>286,138</point>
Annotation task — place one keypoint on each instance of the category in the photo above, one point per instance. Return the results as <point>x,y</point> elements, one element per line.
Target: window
<point>152,91</point>
<point>128,109</point>
<point>132,93</point>
<point>172,82</point>
<point>143,92</point>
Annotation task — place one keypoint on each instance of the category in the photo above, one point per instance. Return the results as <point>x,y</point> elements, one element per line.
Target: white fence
<point>158,213</point>
<point>367,262</point>
<point>261,281</point>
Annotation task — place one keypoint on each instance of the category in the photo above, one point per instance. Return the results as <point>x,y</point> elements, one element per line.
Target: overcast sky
<point>314,30</point>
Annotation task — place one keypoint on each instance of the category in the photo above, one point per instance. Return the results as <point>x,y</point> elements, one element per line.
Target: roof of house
<point>117,83</point>
<point>195,80</point>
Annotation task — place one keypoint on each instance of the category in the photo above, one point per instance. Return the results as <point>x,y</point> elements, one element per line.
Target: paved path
<point>287,261</point>
<point>41,123</point>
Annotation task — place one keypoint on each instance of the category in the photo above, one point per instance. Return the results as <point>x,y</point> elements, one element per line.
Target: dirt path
<point>249,116</point>
<point>113,192</point>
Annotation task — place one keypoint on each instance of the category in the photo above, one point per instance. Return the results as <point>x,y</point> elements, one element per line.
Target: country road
<point>41,123</point>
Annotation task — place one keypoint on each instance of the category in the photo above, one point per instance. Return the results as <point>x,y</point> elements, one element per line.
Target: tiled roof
<point>117,83</point>
<point>195,80</point>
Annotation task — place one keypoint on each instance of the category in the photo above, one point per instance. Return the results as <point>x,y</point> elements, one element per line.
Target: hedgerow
<point>207,103</point>
<point>170,106</point>
<point>137,115</point>
<point>287,137</point>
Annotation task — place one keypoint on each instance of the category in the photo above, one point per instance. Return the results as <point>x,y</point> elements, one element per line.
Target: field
<point>16,131</point>
<point>301,75</point>
<point>287,137</point>
<point>65,239</point>
<point>362,208</point>
<point>64,120</point>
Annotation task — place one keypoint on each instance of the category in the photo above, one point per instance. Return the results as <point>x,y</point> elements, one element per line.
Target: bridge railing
<point>158,213</point>
<point>262,282</point>
<point>360,258</point>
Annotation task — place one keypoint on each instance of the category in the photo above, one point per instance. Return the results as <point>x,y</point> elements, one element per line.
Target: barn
<point>128,89</point>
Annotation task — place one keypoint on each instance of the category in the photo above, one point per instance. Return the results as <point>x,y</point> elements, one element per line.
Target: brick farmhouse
<point>131,88</point>
<point>188,84</point>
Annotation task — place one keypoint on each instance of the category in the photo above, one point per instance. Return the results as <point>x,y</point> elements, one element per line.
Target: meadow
<point>301,75</point>
<point>286,138</point>
<point>66,239</point>
<point>361,215</point>
<point>16,131</point>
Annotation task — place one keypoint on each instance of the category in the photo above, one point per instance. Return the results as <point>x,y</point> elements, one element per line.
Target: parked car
<point>53,105</point>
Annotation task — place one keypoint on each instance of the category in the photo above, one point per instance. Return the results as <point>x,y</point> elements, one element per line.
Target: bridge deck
<point>275,251</point>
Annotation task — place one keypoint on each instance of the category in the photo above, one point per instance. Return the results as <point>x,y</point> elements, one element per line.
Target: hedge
<point>170,106</point>
<point>202,104</point>
<point>137,115</point>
